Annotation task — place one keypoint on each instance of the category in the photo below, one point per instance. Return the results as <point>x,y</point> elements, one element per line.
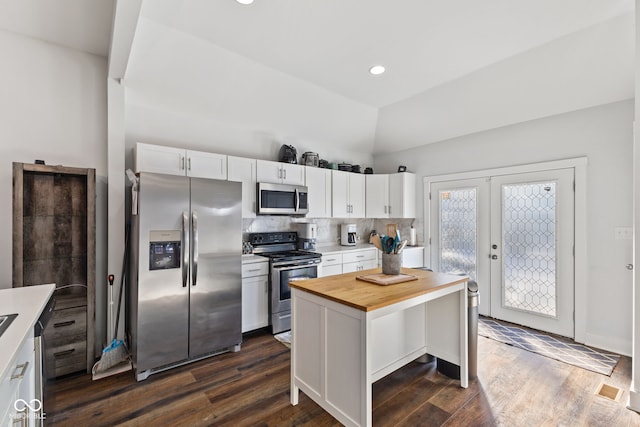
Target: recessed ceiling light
<point>377,70</point>
<point>245,1</point>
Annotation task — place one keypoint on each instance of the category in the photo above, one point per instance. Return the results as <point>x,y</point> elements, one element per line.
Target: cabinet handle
<point>385,208</point>
<point>389,210</point>
<point>63,353</point>
<point>63,324</point>
<point>253,269</point>
<point>23,368</point>
<point>331,259</point>
<point>285,173</point>
<point>359,256</point>
<point>181,162</point>
<point>189,162</point>
<point>280,173</point>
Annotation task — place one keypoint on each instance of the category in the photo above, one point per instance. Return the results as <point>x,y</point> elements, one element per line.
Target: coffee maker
<point>307,235</point>
<point>348,234</point>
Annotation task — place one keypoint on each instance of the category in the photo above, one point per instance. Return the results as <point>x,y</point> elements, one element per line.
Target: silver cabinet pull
<point>23,369</point>
<point>194,245</point>
<point>185,249</point>
<point>181,162</point>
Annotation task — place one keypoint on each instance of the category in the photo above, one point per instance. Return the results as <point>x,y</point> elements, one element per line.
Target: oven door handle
<point>293,267</point>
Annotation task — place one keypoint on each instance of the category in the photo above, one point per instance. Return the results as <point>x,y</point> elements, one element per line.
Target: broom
<point>115,352</point>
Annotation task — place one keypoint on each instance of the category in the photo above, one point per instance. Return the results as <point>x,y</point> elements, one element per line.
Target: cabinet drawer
<point>69,357</point>
<point>17,372</point>
<point>67,326</point>
<point>358,256</point>
<point>331,259</point>
<point>255,269</point>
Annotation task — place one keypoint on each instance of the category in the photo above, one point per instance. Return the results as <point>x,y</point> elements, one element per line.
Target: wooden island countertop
<point>346,289</point>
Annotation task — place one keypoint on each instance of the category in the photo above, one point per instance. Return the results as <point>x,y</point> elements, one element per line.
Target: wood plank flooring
<point>251,388</point>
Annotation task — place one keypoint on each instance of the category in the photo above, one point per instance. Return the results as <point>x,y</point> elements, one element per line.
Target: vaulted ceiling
<point>454,67</point>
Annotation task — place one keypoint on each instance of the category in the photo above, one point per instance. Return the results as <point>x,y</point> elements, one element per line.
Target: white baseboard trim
<point>614,345</point>
<point>634,401</point>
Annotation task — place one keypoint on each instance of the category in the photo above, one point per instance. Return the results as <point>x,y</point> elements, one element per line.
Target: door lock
<point>494,246</point>
<point>494,256</point>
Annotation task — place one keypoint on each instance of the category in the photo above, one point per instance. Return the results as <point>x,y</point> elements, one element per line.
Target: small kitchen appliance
<point>307,235</point>
<point>288,154</point>
<point>348,234</point>
<point>310,159</point>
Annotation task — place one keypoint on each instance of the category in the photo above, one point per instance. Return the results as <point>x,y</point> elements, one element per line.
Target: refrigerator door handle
<point>185,249</point>
<point>194,246</point>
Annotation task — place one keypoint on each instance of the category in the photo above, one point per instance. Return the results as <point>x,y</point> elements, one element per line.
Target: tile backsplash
<point>328,228</point>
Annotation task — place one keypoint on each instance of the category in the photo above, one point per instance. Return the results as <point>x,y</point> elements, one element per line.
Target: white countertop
<point>28,302</point>
<point>323,249</point>
<point>251,258</point>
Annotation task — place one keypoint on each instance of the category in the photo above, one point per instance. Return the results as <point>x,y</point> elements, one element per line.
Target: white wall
<point>185,91</point>
<point>52,107</point>
<point>604,135</point>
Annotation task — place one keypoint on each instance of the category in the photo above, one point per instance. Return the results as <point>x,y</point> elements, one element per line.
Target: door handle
<point>194,245</point>
<point>296,196</point>
<point>185,249</point>
<point>494,256</point>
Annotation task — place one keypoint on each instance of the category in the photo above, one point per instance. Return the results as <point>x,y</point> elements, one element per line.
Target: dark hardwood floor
<point>251,388</point>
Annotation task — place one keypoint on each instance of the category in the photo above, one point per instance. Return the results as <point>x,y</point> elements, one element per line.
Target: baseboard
<point>634,401</point>
<point>614,345</point>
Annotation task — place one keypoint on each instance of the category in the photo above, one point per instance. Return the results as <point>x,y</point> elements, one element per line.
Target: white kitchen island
<point>347,334</point>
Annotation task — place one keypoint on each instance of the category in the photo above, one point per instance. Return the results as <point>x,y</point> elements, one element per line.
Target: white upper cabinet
<point>319,184</point>
<point>402,195</point>
<point>177,161</point>
<point>348,196</point>
<point>391,196</point>
<point>280,173</point>
<point>243,170</point>
<point>377,196</point>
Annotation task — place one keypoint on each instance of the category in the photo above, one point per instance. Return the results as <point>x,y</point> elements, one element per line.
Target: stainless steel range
<point>286,264</point>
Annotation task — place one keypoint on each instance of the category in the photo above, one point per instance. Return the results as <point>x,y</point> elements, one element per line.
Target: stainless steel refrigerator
<point>185,287</point>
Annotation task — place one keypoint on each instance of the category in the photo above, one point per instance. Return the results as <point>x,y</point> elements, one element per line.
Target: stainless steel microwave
<point>281,199</point>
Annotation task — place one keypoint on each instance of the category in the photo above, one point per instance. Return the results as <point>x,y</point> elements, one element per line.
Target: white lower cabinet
<point>255,295</point>
<point>364,259</point>
<point>331,264</point>
<point>348,261</point>
<point>18,387</point>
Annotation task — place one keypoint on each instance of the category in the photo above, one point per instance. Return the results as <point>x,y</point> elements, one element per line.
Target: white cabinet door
<point>402,195</point>
<point>413,257</point>
<point>319,183</point>
<point>178,161</point>
<point>243,170</point>
<point>330,270</point>
<point>255,302</point>
<point>356,195</point>
<point>377,196</point>
<point>340,194</point>
<point>348,196</point>
<point>206,165</point>
<point>280,173</point>
<point>159,159</point>
<point>293,174</point>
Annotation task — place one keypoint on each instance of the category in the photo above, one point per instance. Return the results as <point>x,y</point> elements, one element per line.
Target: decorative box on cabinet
<point>54,242</point>
<point>178,161</point>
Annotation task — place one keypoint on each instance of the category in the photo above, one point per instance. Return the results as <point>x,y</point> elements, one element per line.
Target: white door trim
<point>579,165</point>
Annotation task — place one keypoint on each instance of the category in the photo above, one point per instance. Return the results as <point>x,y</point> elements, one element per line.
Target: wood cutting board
<point>387,279</point>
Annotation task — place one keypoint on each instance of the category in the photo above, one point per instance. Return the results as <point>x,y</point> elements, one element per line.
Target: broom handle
<point>124,264</point>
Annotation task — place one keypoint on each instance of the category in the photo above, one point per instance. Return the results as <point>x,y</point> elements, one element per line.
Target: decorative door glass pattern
<point>529,247</point>
<point>458,231</point>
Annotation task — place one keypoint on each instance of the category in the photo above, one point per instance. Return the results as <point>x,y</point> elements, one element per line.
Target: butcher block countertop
<point>346,289</point>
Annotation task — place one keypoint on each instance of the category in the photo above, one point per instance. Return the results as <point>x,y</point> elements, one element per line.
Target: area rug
<point>284,338</point>
<point>556,348</point>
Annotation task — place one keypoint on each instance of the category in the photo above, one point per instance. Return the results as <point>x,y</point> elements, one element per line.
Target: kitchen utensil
<point>368,171</point>
<point>375,241</point>
<point>323,163</point>
<point>333,165</point>
<point>344,167</point>
<point>400,247</point>
<point>355,168</point>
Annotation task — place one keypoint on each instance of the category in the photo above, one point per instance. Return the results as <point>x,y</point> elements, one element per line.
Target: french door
<point>514,235</point>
